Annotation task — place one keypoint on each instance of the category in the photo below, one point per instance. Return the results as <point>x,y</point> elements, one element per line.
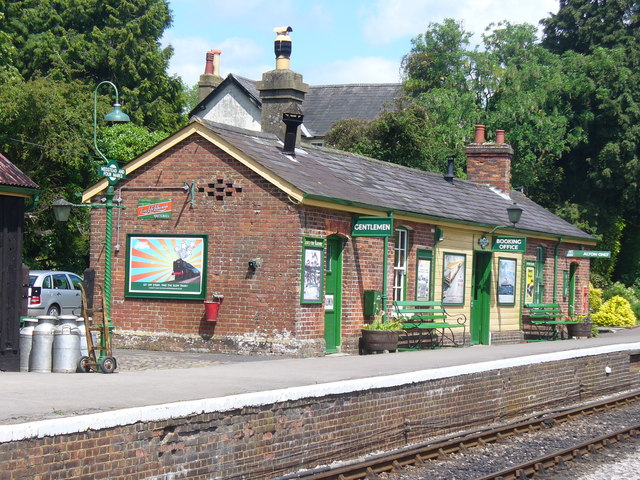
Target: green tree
<point>91,41</point>
<point>603,170</point>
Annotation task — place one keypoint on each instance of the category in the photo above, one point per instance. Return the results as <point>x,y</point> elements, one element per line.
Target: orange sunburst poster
<point>166,266</point>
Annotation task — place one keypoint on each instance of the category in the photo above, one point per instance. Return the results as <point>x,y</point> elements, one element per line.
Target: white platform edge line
<point>128,416</point>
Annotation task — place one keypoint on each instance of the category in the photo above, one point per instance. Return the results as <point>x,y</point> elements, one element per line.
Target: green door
<point>480,307</point>
<point>572,289</point>
<point>333,293</point>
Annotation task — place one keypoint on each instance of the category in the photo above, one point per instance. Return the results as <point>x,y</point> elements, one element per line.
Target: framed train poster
<point>166,266</point>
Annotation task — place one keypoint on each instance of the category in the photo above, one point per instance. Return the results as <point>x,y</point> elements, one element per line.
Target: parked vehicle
<point>59,293</point>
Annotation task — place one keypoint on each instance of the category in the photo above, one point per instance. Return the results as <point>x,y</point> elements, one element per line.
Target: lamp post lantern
<point>112,172</point>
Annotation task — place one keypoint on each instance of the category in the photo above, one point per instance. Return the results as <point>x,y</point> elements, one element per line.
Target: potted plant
<point>381,334</point>
<point>584,327</point>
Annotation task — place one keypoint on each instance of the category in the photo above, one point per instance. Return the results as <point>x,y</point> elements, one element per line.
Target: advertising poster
<point>530,279</point>
<point>506,281</point>
<point>422,283</point>
<point>166,266</point>
<point>453,281</point>
<point>312,288</point>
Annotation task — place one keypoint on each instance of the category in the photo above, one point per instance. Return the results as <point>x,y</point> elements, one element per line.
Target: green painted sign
<point>588,254</point>
<point>372,227</point>
<point>509,244</point>
<point>113,172</point>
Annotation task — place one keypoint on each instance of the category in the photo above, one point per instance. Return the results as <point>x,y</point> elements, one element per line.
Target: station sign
<point>509,244</point>
<point>113,172</point>
<point>372,227</point>
<point>588,254</point>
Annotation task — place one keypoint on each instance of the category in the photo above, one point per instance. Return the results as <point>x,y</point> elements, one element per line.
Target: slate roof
<point>334,175</point>
<point>12,176</point>
<point>325,104</point>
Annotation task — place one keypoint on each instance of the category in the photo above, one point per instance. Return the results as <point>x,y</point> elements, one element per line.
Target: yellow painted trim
<point>197,128</point>
<point>15,194</point>
<point>310,202</point>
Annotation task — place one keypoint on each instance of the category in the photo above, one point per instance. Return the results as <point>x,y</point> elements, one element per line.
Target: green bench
<point>547,318</point>
<point>428,325</point>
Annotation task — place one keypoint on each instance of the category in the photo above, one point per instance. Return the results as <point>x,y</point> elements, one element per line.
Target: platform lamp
<point>514,211</point>
<point>111,171</point>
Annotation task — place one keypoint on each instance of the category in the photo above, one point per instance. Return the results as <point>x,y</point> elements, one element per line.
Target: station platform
<point>184,379</point>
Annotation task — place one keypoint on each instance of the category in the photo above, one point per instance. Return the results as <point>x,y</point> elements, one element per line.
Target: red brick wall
<point>564,263</point>
<point>271,440</point>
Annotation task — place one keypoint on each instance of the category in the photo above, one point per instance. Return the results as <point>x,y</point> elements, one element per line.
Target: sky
<point>334,41</point>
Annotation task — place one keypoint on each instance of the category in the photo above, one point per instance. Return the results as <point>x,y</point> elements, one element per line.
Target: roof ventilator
<point>449,176</point>
<point>292,118</point>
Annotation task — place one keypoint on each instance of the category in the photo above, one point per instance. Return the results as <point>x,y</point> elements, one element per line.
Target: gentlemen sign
<point>373,227</point>
<point>588,254</point>
<point>509,244</point>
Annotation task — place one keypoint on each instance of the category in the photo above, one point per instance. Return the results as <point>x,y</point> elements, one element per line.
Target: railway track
<point>399,461</point>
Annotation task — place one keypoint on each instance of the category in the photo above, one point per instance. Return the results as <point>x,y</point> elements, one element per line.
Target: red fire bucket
<point>211,311</point>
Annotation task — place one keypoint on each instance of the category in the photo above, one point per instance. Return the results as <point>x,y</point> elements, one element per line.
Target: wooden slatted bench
<point>545,315</point>
<point>428,325</point>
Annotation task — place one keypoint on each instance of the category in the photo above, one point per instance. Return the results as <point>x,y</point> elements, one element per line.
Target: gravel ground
<point>133,360</point>
<point>618,462</point>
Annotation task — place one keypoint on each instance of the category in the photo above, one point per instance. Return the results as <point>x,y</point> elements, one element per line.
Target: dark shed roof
<point>12,176</point>
<point>353,179</point>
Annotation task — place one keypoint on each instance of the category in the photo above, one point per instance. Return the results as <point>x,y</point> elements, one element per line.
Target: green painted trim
<point>555,270</point>
<point>437,219</point>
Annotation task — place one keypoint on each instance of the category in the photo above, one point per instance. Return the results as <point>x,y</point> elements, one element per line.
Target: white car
<point>59,293</point>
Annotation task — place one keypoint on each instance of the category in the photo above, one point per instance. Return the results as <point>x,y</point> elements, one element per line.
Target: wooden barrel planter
<point>584,329</point>
<point>374,341</point>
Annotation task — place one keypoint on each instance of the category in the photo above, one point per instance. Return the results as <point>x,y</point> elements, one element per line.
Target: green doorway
<point>333,293</point>
<point>481,299</point>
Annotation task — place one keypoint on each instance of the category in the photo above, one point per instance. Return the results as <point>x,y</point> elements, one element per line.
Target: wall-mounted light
<point>254,264</point>
<point>438,235</point>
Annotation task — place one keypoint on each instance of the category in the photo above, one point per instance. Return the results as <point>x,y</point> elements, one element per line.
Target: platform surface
<point>158,378</point>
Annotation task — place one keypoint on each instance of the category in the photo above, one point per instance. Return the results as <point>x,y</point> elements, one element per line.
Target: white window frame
<point>400,257</point>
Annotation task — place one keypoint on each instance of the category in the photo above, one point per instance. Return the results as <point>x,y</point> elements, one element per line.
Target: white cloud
<point>355,70</point>
<point>390,20</point>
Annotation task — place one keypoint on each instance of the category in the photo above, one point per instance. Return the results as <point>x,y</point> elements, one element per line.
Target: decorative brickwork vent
<point>220,189</point>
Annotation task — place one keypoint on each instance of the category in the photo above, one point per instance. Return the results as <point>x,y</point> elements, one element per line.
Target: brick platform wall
<point>264,441</point>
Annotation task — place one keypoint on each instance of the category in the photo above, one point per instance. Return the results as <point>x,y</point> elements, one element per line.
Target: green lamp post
<point>112,172</point>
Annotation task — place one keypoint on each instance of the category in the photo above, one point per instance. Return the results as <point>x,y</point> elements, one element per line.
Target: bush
<point>615,312</point>
<point>628,293</point>
<point>595,298</point>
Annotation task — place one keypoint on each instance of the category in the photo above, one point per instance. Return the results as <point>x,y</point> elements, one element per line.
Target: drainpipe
<point>385,267</point>
<point>555,270</point>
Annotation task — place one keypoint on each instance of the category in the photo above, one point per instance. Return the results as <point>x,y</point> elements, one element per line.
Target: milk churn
<point>26,342</point>
<point>66,345</point>
<point>84,350</point>
<point>40,358</point>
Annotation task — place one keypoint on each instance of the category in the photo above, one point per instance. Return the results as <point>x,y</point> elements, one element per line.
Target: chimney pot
<point>499,136</point>
<point>479,138</point>
<point>282,47</point>
<point>292,118</point>
<point>449,176</point>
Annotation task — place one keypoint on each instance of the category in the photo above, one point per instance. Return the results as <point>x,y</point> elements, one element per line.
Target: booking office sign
<point>166,266</point>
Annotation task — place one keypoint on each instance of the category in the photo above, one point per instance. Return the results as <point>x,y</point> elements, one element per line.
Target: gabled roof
<point>12,179</point>
<point>323,104</point>
<point>339,180</point>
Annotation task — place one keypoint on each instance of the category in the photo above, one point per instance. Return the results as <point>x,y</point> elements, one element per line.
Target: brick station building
<point>277,229</point>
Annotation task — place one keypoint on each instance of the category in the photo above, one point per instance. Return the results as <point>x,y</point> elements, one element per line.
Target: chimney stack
<point>211,78</point>
<point>281,87</point>
<point>489,163</point>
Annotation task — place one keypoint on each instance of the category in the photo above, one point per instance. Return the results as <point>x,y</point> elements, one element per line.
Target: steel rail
<point>395,461</point>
